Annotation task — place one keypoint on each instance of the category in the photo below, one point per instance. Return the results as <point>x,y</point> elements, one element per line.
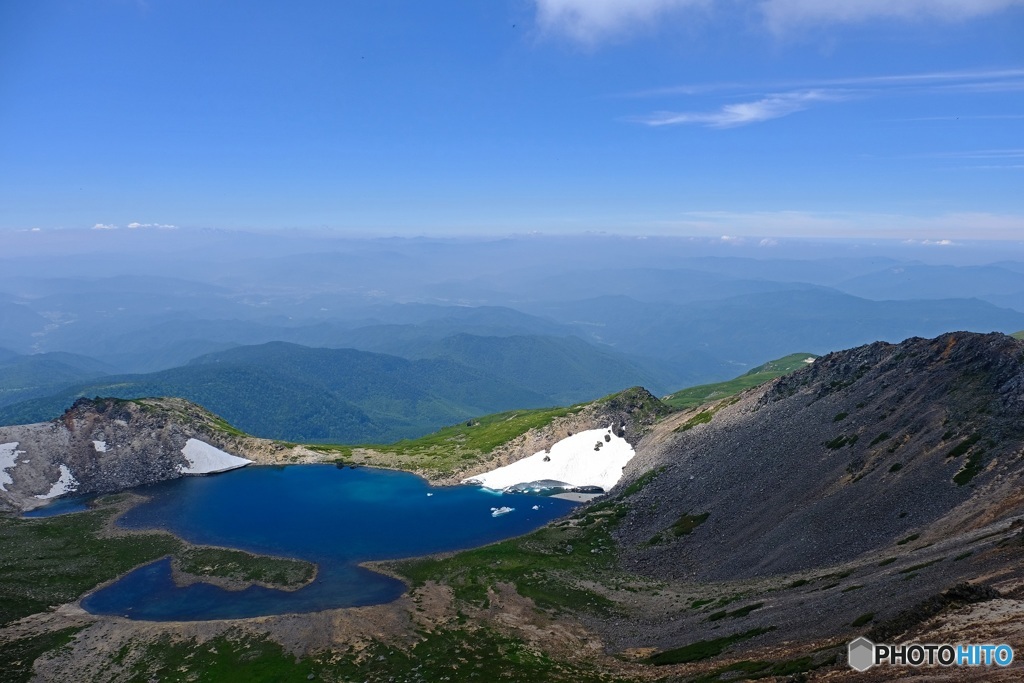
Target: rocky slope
<point>105,445</point>
<point>855,452</point>
<point>850,490</point>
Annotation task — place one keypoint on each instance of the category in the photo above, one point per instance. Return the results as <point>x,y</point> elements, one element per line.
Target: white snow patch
<point>100,446</point>
<point>572,460</point>
<point>8,458</point>
<point>809,359</point>
<point>206,459</point>
<point>66,484</point>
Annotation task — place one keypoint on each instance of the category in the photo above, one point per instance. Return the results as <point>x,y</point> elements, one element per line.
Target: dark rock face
<point>631,413</point>
<point>106,445</point>
<point>859,450</point>
<point>143,446</point>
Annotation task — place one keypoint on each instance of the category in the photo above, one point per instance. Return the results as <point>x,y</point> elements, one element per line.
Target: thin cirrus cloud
<point>976,80</point>
<point>1011,159</point>
<point>745,113</point>
<point>591,21</point>
<point>134,226</point>
<point>792,97</point>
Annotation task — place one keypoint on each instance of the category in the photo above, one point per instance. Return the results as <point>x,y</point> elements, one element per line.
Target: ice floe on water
<point>504,510</point>
<point>8,458</point>
<point>206,459</point>
<point>66,484</point>
<point>591,460</point>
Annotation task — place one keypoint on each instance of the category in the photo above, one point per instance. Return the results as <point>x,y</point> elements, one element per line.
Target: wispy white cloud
<point>785,98</point>
<point>744,113</point>
<point>977,79</point>
<point>590,21</point>
<point>135,225</point>
<point>782,16</point>
<point>165,226</point>
<point>989,159</point>
<point>978,117</point>
<point>1010,153</point>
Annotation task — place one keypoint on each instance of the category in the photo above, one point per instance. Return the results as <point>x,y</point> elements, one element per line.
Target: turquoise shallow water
<point>336,517</point>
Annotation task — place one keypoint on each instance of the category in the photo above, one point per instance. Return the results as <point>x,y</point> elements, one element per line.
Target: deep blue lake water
<point>336,517</point>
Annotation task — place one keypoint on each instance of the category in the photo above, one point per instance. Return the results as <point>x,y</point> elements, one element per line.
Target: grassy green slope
<point>695,396</point>
<point>450,448</point>
<point>1018,335</point>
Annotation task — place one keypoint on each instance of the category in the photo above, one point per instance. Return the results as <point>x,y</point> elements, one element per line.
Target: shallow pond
<point>336,517</point>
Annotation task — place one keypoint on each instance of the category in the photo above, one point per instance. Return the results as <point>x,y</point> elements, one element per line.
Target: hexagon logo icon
<point>860,654</point>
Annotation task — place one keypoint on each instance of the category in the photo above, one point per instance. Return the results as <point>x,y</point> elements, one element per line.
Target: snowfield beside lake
<point>65,484</point>
<point>206,459</point>
<point>594,457</point>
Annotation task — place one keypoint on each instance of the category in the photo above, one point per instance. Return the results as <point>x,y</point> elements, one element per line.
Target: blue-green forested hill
<point>296,393</point>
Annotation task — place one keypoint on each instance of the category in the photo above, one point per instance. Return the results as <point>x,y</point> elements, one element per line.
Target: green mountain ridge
<point>704,393</point>
<point>26,377</point>
<point>565,369</point>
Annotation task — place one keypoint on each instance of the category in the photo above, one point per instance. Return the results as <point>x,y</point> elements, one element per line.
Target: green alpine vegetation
<point>50,561</point>
<point>46,562</point>
<point>445,450</point>
<point>704,649</point>
<point>542,565</point>
<point>445,654</point>
<point>242,567</point>
<point>699,395</point>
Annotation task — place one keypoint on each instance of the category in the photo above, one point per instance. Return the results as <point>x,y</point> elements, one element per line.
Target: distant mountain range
<point>685,311</point>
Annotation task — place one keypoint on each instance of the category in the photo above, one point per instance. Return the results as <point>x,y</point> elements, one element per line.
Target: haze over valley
<point>322,338</point>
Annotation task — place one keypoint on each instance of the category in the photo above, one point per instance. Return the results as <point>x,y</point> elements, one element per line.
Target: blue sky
<point>879,118</point>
